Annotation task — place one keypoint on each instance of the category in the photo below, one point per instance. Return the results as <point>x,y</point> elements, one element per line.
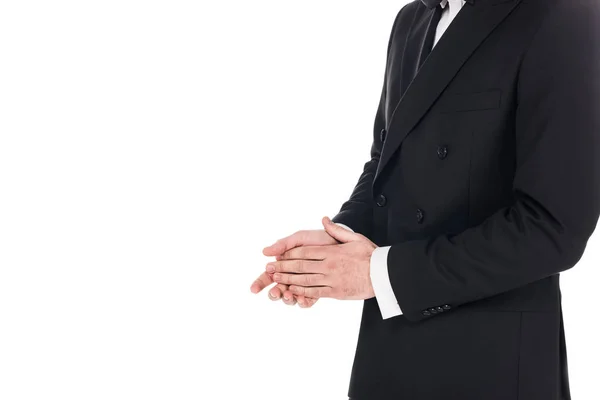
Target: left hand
<point>340,271</point>
<point>300,238</point>
<point>280,292</point>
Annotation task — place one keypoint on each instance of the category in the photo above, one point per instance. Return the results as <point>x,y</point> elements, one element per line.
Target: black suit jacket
<point>484,179</point>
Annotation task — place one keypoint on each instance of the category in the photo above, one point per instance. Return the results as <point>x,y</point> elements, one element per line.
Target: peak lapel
<point>470,27</point>
<point>413,50</point>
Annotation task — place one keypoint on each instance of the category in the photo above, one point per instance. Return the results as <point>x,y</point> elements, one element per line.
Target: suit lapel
<point>414,48</point>
<point>470,27</point>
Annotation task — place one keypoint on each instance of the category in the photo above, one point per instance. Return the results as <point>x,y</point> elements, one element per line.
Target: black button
<point>433,310</point>
<point>442,152</point>
<point>381,200</point>
<point>439,309</point>
<point>446,307</point>
<point>426,313</point>
<point>382,135</point>
<point>420,216</point>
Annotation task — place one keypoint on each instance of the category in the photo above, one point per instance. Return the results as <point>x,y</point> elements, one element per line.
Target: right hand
<point>301,238</point>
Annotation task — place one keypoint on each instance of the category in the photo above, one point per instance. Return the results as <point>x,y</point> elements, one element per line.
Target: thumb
<point>337,232</point>
<point>287,243</point>
<point>279,247</point>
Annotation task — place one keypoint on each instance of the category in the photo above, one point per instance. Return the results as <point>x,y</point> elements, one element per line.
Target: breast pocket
<point>485,100</point>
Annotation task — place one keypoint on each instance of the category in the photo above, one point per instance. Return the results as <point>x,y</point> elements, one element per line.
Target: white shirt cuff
<point>388,304</point>
<point>345,226</point>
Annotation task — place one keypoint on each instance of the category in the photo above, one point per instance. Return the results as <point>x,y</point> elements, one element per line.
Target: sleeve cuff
<point>388,304</point>
<point>344,226</point>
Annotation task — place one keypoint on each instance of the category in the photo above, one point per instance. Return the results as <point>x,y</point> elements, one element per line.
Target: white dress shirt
<point>386,299</point>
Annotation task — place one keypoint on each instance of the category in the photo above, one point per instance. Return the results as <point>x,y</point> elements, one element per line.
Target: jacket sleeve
<point>357,212</point>
<point>555,189</point>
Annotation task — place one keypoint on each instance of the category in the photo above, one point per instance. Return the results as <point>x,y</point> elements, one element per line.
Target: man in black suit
<point>483,185</point>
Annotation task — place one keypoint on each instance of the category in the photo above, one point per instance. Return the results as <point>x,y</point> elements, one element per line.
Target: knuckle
<point>309,280</point>
<point>300,252</point>
<point>285,278</point>
<point>279,266</point>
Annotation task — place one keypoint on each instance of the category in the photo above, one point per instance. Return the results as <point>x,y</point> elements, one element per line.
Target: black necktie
<point>431,30</point>
<point>431,3</point>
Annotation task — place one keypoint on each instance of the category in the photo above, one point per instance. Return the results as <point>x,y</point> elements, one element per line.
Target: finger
<point>306,253</point>
<point>288,297</point>
<point>276,291</point>
<point>261,282</point>
<point>305,302</point>
<point>314,292</point>
<point>310,302</point>
<point>300,279</point>
<point>285,244</point>
<point>299,299</point>
<point>295,266</point>
<point>339,233</point>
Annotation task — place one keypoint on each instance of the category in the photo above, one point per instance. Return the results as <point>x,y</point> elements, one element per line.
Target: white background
<point>148,152</point>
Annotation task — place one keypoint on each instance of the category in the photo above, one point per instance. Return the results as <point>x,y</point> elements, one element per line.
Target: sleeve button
<point>442,152</point>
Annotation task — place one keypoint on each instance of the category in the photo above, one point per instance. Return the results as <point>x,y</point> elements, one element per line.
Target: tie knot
<point>431,4</point>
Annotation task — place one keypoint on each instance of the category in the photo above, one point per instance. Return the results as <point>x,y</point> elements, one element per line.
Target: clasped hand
<point>333,262</point>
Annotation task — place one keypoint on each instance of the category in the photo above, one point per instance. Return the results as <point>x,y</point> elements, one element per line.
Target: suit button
<point>382,135</point>
<point>433,310</point>
<point>442,152</point>
<point>439,309</point>
<point>420,216</point>
<point>446,307</point>
<point>381,200</point>
<point>426,313</point>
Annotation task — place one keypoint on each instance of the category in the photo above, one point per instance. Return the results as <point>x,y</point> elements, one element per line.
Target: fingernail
<point>286,298</point>
<point>270,268</point>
